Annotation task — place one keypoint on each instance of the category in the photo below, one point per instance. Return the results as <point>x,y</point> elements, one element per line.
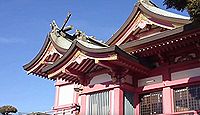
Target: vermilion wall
<point>179,78</point>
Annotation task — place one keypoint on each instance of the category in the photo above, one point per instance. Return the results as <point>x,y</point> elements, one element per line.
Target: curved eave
<point>162,17</point>
<point>127,22</point>
<point>38,56</point>
<point>76,45</point>
<point>139,6</point>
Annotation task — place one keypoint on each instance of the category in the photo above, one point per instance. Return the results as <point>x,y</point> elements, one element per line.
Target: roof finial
<point>66,20</point>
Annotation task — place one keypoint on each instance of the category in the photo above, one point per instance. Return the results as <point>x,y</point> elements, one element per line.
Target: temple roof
<point>62,40</point>
<point>57,44</point>
<point>145,12</point>
<point>77,61</point>
<point>66,55</point>
<point>154,9</point>
<point>167,38</point>
<point>92,53</point>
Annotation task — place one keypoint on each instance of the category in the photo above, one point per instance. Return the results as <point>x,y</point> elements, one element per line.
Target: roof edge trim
<point>34,60</point>
<point>124,25</point>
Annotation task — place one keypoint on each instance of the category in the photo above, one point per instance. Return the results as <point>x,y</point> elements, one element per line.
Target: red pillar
<point>56,103</point>
<point>167,93</point>
<point>167,100</point>
<point>119,102</point>
<point>57,96</point>
<point>75,99</point>
<point>83,105</point>
<point>136,104</point>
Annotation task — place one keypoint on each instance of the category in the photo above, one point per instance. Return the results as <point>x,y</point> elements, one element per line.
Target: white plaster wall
<point>150,80</point>
<point>100,79</point>
<point>66,94</point>
<point>129,79</point>
<point>186,74</point>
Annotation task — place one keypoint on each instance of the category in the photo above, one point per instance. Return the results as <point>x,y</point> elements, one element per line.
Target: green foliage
<point>5,110</point>
<point>176,4</point>
<point>192,6</point>
<point>194,10</point>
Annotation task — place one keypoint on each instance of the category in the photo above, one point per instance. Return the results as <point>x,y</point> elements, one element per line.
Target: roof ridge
<point>149,2</point>
<point>152,6</point>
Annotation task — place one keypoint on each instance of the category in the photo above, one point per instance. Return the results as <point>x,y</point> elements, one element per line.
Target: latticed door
<point>151,103</point>
<point>187,98</point>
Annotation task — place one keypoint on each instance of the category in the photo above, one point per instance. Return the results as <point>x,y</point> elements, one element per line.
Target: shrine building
<point>150,66</point>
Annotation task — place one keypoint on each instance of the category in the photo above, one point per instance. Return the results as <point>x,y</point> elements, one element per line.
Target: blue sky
<point>23,27</point>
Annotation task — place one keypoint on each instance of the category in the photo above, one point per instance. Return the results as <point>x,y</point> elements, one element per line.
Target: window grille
<point>151,103</point>
<point>99,103</point>
<point>187,98</point>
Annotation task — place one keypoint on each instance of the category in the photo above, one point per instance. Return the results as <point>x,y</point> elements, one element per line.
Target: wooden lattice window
<point>151,103</point>
<point>187,98</point>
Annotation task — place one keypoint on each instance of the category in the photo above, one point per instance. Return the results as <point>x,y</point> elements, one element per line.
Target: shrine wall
<point>66,94</point>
